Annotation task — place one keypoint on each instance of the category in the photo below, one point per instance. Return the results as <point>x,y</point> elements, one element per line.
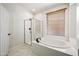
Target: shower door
<point>28,31</point>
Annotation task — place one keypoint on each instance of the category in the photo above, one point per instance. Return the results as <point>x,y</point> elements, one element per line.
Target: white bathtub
<point>55,43</point>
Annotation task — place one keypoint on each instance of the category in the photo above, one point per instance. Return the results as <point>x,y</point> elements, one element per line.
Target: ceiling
<point>32,7</point>
<point>39,7</point>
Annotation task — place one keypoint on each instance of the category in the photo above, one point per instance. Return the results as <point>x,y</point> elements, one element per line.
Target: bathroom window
<point>56,23</point>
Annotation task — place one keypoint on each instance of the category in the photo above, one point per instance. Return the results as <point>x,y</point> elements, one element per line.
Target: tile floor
<point>22,50</point>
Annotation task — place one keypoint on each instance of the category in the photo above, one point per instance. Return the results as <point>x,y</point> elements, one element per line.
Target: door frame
<point>31,30</point>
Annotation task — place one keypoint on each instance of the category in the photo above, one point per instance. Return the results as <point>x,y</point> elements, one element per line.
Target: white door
<point>4,31</point>
<point>28,32</point>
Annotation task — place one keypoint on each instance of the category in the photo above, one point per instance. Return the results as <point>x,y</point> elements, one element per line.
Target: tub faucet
<point>38,40</point>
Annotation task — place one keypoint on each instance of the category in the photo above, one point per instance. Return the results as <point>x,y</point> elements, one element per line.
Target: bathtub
<point>49,45</point>
<point>54,41</point>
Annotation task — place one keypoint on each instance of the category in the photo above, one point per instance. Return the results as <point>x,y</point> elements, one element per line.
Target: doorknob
<point>9,34</point>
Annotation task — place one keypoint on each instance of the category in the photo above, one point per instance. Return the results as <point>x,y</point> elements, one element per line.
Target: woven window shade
<point>56,23</point>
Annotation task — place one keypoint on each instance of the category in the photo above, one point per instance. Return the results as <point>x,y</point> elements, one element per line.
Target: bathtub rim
<point>70,50</point>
